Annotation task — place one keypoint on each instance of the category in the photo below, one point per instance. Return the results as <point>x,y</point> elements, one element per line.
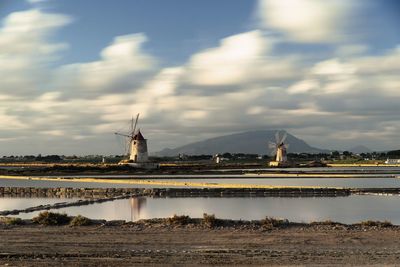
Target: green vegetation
<point>51,218</point>
<point>80,221</point>
<point>61,159</point>
<point>178,220</point>
<point>11,221</point>
<point>340,157</point>
<point>370,223</point>
<point>210,220</point>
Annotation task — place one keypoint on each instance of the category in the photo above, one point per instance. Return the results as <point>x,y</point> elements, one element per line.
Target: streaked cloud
<point>122,65</point>
<point>343,97</point>
<point>306,20</point>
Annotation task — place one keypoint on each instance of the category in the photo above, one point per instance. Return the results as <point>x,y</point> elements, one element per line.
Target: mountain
<point>253,142</point>
<point>360,149</point>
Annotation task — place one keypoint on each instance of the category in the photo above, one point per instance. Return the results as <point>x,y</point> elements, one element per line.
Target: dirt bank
<point>158,244</point>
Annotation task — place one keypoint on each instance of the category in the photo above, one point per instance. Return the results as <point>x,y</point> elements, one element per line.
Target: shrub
<point>327,222</point>
<point>80,221</point>
<point>271,223</point>
<point>178,220</point>
<point>11,221</point>
<point>386,224</point>
<point>369,223</point>
<point>376,223</point>
<point>209,220</point>
<point>51,218</point>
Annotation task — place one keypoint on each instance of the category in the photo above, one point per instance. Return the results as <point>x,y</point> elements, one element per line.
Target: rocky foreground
<point>193,242</point>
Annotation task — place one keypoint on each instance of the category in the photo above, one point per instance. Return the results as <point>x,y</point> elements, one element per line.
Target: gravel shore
<point>154,243</point>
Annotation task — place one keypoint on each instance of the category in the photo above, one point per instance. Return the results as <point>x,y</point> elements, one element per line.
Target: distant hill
<point>360,149</point>
<point>253,142</point>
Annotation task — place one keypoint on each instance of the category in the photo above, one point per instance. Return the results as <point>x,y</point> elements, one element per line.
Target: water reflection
<point>136,205</point>
<point>349,209</point>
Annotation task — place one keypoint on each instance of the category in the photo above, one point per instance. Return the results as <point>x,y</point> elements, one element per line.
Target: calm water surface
<point>343,209</point>
<point>27,202</point>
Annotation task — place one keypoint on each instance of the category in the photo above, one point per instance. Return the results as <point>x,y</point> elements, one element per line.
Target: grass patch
<point>370,223</point>
<point>11,221</point>
<point>80,221</point>
<point>178,220</point>
<point>51,218</point>
<point>271,223</point>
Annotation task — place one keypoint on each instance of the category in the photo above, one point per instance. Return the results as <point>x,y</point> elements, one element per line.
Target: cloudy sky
<point>73,72</point>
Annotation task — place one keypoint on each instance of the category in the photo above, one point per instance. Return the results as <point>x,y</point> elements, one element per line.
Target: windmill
<point>137,144</point>
<point>279,148</point>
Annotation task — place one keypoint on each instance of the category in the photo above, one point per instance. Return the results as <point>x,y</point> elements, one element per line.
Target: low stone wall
<point>101,193</point>
<point>62,192</point>
<point>97,193</point>
<point>250,192</point>
<point>376,191</point>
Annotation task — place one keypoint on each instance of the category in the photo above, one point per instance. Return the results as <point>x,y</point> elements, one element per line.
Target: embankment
<point>96,193</point>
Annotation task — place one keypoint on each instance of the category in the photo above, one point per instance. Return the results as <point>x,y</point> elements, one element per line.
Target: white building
<point>392,161</point>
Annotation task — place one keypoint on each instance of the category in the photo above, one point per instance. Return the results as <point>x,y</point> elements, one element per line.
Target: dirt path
<point>127,246</point>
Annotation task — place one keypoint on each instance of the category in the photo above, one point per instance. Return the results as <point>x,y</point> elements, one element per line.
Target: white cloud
<point>255,110</point>
<point>25,51</point>
<point>305,20</point>
<point>53,133</point>
<point>123,58</point>
<point>333,67</point>
<point>387,63</point>
<point>230,62</point>
<point>304,86</point>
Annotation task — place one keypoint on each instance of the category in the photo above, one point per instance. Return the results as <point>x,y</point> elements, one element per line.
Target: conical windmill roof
<point>138,136</point>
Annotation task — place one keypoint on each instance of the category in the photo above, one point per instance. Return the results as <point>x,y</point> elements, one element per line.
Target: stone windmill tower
<point>281,153</point>
<point>279,148</point>
<point>138,148</point>
<point>137,153</point>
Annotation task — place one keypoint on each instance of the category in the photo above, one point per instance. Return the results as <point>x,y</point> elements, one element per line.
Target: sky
<point>74,72</point>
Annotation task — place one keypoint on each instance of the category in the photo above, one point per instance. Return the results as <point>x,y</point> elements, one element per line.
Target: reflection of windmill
<point>137,145</point>
<point>279,149</point>
<point>136,203</point>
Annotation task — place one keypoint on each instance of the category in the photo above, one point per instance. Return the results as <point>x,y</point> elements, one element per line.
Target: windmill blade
<point>272,145</point>
<point>131,126</point>
<point>128,147</point>
<point>136,121</point>
<point>277,137</point>
<point>121,142</point>
<point>283,138</point>
<point>287,146</point>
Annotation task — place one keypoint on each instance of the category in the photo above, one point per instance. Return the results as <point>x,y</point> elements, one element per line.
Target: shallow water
<point>27,202</point>
<point>350,209</point>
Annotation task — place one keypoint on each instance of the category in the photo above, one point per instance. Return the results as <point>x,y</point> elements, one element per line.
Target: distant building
<point>138,155</point>
<point>139,148</point>
<point>218,158</point>
<point>392,161</point>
